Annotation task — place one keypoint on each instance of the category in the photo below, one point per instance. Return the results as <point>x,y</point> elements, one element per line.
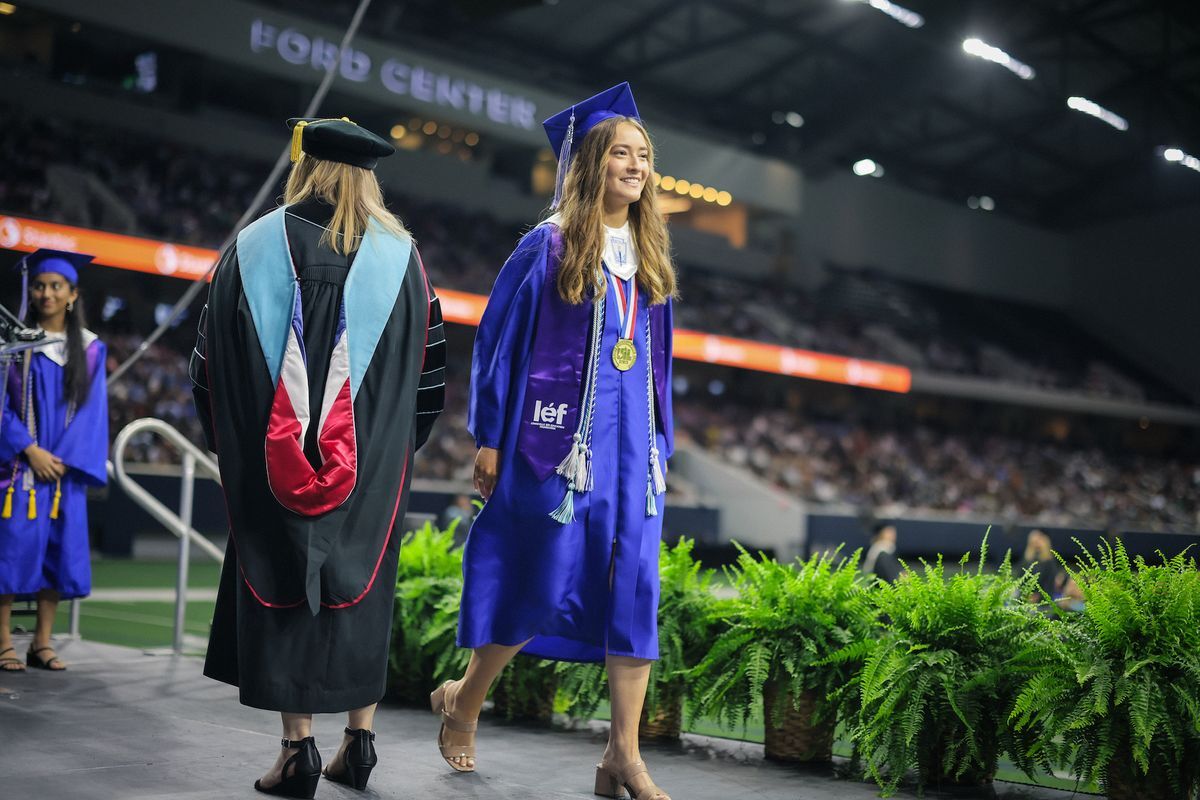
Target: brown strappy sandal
<point>437,701</point>
<point>34,660</point>
<point>10,664</point>
<point>615,782</point>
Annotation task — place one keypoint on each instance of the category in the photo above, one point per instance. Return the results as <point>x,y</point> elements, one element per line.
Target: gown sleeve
<point>431,389</point>
<point>198,363</point>
<point>84,444</point>
<point>14,436</point>
<point>668,410</point>
<point>505,334</point>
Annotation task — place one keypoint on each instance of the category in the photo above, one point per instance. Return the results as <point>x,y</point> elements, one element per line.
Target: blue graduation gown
<point>45,553</point>
<point>526,576</point>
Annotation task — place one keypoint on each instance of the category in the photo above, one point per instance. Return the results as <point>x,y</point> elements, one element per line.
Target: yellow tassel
<point>33,504</point>
<point>57,498</point>
<point>7,514</point>
<point>297,138</point>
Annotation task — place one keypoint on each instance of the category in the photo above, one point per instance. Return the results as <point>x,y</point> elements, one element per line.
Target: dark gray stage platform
<point>122,725</point>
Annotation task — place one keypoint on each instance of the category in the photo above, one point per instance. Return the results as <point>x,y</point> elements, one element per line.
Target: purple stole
<point>553,390</point>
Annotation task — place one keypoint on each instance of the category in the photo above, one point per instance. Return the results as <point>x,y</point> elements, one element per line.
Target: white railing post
<point>185,520</point>
<point>179,524</point>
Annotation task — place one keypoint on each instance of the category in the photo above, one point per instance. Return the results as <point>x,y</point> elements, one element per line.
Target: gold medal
<point>624,354</point>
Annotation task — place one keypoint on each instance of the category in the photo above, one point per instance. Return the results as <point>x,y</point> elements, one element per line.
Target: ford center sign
<point>398,77</point>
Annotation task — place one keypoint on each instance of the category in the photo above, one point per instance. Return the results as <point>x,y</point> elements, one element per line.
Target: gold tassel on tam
<point>33,504</point>
<point>297,138</point>
<point>57,498</point>
<point>8,503</point>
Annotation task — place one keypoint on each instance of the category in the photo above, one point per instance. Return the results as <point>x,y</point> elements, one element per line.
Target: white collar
<point>620,254</point>
<point>57,351</point>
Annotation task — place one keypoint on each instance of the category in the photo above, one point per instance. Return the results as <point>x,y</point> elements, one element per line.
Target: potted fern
<point>526,690</point>
<point>936,686</point>
<point>425,615</point>
<point>1116,690</point>
<point>769,652</point>
<point>684,627</point>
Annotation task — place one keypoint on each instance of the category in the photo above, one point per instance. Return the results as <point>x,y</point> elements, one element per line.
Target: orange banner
<point>110,249</point>
<point>464,308</point>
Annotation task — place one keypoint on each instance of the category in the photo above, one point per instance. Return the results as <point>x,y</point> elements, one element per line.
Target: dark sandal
<point>358,760</point>
<point>34,660</point>
<point>6,664</point>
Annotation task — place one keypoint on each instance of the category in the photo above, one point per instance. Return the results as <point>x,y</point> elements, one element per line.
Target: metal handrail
<point>179,524</point>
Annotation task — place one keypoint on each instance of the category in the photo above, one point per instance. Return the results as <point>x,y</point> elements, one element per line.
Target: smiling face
<point>50,293</point>
<point>628,166</point>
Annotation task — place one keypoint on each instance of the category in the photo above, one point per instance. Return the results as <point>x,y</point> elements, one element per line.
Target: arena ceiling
<point>868,86</point>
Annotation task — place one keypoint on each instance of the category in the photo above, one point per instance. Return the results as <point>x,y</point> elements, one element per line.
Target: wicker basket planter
<point>1124,783</point>
<point>666,721</point>
<point>525,691</point>
<point>791,735</point>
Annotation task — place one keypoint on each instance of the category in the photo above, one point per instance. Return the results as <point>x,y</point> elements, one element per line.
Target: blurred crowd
<point>89,175</point>
<point>157,385</point>
<point>906,469</point>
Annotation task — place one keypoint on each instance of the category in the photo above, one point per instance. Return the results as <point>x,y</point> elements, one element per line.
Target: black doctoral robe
<point>304,609</point>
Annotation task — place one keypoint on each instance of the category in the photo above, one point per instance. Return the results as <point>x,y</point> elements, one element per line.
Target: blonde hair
<point>354,194</point>
<point>582,215</point>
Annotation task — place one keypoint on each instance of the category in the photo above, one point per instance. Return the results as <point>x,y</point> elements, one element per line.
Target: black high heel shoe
<point>305,768</point>
<point>358,761</point>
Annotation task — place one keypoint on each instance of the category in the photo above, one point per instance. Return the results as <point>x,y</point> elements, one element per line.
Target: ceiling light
<point>7,8</point>
<point>866,166</point>
<point>1082,104</point>
<point>987,203</point>
<point>987,52</point>
<point>899,13</point>
<point>399,131</point>
<point>724,198</point>
<point>794,119</point>
<point>1177,156</point>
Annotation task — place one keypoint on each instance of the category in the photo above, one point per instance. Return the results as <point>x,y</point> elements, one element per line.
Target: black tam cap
<point>337,140</point>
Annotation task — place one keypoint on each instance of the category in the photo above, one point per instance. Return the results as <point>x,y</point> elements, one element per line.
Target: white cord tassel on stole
<point>656,473</point>
<point>570,465</point>
<point>564,161</point>
<point>566,509</point>
<point>656,484</point>
<point>576,466</point>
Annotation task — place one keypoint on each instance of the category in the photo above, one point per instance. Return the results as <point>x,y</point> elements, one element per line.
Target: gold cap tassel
<point>297,140</point>
<point>57,498</point>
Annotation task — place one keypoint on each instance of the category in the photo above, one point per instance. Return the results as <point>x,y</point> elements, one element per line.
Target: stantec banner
<point>464,308</point>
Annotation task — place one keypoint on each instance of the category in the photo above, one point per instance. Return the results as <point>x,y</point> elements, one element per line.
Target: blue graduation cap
<point>572,124</point>
<point>62,262</point>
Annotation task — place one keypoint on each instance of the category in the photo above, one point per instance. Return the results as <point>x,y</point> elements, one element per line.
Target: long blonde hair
<point>582,215</point>
<point>354,194</point>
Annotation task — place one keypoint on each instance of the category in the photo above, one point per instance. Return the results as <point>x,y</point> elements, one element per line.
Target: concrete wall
<point>1136,284</point>
<point>855,221</point>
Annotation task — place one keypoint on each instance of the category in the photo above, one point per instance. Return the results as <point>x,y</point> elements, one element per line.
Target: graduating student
<point>570,407</point>
<point>318,372</point>
<point>53,445</point>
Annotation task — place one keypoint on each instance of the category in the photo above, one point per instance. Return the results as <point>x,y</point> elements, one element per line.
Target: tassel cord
<point>576,467</point>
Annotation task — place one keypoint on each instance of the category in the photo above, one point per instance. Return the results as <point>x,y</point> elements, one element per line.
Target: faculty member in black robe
<point>318,372</point>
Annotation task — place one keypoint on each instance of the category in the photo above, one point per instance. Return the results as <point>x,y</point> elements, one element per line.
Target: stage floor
<point>121,725</point>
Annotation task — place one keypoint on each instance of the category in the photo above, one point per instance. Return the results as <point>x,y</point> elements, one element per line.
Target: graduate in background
<point>53,445</point>
<point>319,370</point>
<point>570,407</point>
